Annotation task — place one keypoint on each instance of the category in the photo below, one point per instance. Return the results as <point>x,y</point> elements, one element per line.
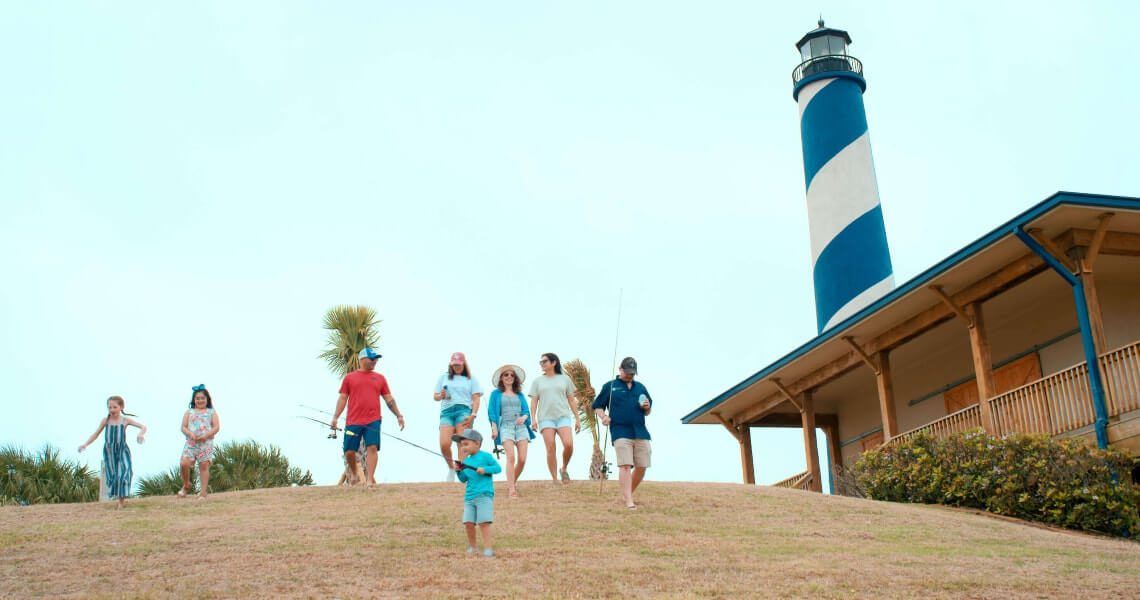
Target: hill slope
<point>406,540</point>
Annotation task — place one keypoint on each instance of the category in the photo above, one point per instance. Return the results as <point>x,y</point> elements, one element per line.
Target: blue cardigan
<point>495,414</point>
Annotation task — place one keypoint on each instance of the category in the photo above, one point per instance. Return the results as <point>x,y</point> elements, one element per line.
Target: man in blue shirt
<point>628,402</point>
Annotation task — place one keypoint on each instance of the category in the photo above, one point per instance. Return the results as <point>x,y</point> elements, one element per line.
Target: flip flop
<point>182,493</point>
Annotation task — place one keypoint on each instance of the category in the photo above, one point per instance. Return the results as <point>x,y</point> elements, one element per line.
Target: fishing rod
<point>334,429</point>
<point>610,402</point>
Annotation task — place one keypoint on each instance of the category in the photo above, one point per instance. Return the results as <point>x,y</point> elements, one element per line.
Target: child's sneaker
<point>471,549</point>
<point>488,552</point>
<point>451,476</point>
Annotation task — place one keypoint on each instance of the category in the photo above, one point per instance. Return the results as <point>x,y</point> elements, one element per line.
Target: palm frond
<point>578,373</point>
<point>44,478</point>
<point>351,329</point>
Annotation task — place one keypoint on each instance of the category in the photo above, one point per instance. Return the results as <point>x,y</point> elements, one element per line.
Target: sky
<point>186,188</point>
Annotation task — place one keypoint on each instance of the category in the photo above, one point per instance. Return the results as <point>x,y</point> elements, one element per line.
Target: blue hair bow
<point>201,387</point>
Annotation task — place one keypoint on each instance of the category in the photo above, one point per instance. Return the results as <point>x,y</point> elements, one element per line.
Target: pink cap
<point>458,358</point>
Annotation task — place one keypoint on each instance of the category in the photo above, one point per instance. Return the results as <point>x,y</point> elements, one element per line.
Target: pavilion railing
<point>956,422</point>
<point>1059,403</point>
<point>799,481</point>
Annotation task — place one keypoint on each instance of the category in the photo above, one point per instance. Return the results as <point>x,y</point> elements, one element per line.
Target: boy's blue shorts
<point>480,509</point>
<point>353,433</point>
<point>453,415</point>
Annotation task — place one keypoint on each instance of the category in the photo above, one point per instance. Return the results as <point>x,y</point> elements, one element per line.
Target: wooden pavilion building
<point>1035,328</point>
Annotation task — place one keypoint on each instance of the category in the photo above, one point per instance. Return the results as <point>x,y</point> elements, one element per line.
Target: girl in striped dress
<point>116,454</point>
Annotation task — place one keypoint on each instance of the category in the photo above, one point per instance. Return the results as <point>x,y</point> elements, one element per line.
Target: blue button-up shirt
<point>627,420</point>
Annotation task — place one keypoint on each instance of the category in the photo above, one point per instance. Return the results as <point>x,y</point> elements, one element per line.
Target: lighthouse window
<point>819,47</point>
<point>836,44</point>
<point>805,52</point>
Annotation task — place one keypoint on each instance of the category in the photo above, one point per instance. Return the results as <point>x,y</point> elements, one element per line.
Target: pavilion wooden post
<point>743,435</point>
<point>885,385</point>
<point>834,454</point>
<point>1086,263</point>
<point>749,470</point>
<point>983,364</point>
<point>807,417</point>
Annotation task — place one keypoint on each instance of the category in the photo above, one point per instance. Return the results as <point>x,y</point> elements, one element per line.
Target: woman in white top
<point>554,407</point>
<point>458,393</point>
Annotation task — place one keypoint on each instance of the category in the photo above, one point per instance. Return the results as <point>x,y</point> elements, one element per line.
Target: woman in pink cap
<point>458,394</point>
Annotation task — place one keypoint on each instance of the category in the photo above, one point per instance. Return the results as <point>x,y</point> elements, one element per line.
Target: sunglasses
<point>543,361</point>
<point>507,375</point>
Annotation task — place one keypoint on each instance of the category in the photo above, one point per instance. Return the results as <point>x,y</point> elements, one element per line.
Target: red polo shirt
<point>364,389</point>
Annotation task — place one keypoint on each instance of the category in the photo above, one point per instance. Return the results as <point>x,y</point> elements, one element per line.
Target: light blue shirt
<point>479,485</point>
<point>459,391</point>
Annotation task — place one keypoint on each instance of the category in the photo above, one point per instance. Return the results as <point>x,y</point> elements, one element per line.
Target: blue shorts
<point>555,423</point>
<point>510,432</point>
<point>452,415</point>
<point>480,509</point>
<point>353,433</point>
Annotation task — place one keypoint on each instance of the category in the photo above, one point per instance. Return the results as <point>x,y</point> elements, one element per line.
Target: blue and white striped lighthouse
<point>851,265</point>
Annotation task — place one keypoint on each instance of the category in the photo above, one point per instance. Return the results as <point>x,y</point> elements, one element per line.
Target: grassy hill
<point>686,540</point>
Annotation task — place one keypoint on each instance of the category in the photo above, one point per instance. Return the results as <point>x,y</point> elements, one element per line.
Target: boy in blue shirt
<point>476,470</point>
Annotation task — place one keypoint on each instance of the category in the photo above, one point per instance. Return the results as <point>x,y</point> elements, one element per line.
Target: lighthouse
<point>851,265</point>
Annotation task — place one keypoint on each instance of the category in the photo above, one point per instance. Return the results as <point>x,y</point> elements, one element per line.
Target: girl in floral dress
<point>200,424</point>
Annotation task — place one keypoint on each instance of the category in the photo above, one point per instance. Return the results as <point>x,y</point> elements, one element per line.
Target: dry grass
<point>687,540</point>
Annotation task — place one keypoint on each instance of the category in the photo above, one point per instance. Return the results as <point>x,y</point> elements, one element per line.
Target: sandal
<point>565,476</point>
<point>182,493</point>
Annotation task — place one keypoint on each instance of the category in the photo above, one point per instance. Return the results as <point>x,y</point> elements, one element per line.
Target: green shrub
<point>1034,477</point>
<point>44,478</point>
<point>243,465</point>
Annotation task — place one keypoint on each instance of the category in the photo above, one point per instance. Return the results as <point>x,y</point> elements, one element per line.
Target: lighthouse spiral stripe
<point>851,265</point>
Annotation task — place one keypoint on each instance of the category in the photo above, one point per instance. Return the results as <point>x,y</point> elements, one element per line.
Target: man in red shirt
<point>361,390</point>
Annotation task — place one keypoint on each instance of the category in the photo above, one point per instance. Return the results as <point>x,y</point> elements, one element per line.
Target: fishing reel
<point>498,452</point>
<point>606,470</point>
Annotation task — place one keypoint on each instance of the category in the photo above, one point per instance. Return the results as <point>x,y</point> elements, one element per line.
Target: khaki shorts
<point>632,452</point>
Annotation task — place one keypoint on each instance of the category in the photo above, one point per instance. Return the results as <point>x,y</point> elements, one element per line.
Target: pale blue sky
<point>186,188</point>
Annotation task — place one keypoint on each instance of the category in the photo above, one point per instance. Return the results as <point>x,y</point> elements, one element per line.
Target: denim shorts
<point>510,432</point>
<point>453,415</point>
<point>555,423</point>
<point>480,509</point>
<point>353,433</point>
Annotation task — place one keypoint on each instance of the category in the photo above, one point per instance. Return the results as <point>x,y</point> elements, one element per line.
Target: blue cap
<point>369,353</point>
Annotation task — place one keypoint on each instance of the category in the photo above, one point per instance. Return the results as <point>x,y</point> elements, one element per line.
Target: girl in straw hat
<point>510,420</point>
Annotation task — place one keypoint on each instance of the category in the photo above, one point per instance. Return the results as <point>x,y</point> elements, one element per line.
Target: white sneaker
<point>450,475</point>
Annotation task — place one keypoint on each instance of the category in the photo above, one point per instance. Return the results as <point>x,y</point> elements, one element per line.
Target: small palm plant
<point>578,373</point>
<point>244,465</point>
<point>351,329</point>
<point>44,478</point>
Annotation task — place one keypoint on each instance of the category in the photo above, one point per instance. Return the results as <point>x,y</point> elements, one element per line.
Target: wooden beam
<point>1092,301</point>
<point>1097,241</point>
<point>787,395</point>
<point>747,467</point>
<point>991,285</point>
<point>885,386</point>
<point>1119,243</point>
<point>983,365</point>
<point>728,425</point>
<point>863,355</point>
<point>834,454</point>
<point>810,446</point>
<point>822,420</point>
<point>1053,249</point>
<point>949,302</point>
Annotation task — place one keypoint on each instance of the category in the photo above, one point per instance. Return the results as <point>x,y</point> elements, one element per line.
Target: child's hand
<point>82,448</point>
<point>140,438</point>
<point>480,471</point>
<point>520,421</point>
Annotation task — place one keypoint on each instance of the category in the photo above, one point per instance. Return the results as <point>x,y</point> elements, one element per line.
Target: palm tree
<point>351,329</point>
<point>578,373</point>
<point>237,466</point>
<point>44,478</point>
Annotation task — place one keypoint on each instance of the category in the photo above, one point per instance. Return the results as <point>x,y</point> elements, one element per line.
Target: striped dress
<point>117,461</point>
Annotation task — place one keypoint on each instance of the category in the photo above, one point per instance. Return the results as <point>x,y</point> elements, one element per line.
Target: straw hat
<point>520,375</point>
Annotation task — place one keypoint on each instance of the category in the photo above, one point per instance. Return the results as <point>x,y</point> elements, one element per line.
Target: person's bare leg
<point>509,448</point>
<point>350,458</point>
<point>521,446</point>
<point>445,434</point>
<point>567,435</point>
<point>203,478</point>
<point>185,468</point>
<point>371,464</point>
<point>485,529</point>
<point>626,480</point>
<point>638,475</point>
<point>470,527</point>
<point>551,459</point>
<point>122,503</point>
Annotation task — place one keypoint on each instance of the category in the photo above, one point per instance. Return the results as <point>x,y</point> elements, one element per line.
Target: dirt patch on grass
<point>568,541</point>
